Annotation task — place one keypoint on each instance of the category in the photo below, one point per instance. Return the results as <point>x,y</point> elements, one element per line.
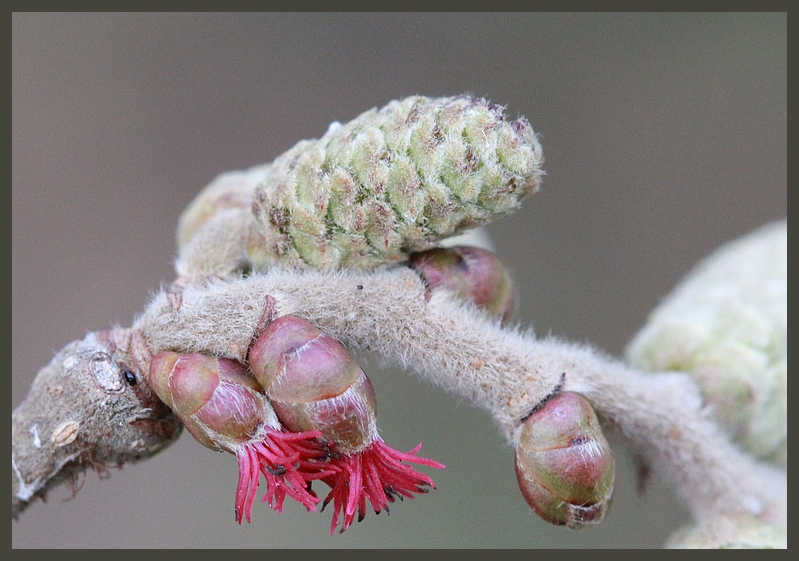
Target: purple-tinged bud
<point>219,403</point>
<point>299,365</point>
<point>224,408</point>
<point>564,464</point>
<point>315,385</point>
<point>473,273</point>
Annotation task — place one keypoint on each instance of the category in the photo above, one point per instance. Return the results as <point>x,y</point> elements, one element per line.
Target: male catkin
<point>391,181</point>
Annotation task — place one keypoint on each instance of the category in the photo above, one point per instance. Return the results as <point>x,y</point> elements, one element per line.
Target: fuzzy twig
<point>506,372</point>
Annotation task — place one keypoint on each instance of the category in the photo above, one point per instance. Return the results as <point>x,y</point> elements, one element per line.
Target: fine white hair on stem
<point>506,372</point>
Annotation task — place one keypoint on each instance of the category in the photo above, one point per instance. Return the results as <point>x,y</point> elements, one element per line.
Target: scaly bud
<point>473,273</point>
<point>223,407</point>
<point>564,464</point>
<point>314,384</point>
<point>392,180</point>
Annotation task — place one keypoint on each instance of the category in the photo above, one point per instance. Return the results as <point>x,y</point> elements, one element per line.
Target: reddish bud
<point>563,462</point>
<point>297,363</point>
<point>473,273</point>
<point>314,384</point>
<point>223,407</point>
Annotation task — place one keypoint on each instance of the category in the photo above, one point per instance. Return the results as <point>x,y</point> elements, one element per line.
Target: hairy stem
<point>506,372</point>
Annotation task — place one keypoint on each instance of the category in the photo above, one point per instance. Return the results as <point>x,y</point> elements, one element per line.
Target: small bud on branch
<point>563,462</point>
<point>473,273</point>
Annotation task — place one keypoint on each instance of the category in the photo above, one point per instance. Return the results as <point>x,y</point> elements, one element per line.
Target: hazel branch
<point>343,234</point>
<point>89,408</point>
<point>506,372</point>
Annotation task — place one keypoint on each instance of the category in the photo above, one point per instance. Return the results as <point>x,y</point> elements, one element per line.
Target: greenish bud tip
<point>726,324</point>
<point>564,464</point>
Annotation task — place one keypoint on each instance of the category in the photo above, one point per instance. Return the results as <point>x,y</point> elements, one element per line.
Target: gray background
<point>664,136</point>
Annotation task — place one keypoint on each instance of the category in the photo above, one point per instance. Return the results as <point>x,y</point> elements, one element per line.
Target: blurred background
<point>665,135</point>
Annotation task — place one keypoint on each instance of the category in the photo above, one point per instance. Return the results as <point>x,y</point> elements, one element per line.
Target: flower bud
<point>564,464</point>
<point>473,273</point>
<point>315,385</point>
<point>223,407</point>
<point>404,176</point>
<point>393,180</point>
<point>217,402</point>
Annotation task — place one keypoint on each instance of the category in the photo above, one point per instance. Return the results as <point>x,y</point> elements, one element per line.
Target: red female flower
<point>315,385</point>
<point>224,408</point>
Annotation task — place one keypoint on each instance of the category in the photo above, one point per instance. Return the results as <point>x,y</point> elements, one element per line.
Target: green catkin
<point>726,324</point>
<point>392,181</point>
